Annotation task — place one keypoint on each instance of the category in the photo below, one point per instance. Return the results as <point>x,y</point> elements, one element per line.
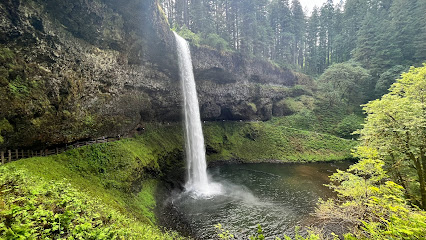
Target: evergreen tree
<point>354,13</point>
<point>338,43</point>
<point>299,25</point>
<point>403,29</point>
<point>377,33</point>
<point>311,48</point>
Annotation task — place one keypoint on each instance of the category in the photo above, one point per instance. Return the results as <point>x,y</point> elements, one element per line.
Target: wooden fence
<point>16,154</point>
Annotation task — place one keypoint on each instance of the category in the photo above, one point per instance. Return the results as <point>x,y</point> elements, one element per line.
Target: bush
<point>342,83</point>
<point>387,79</point>
<point>374,206</point>
<point>215,41</point>
<point>35,209</point>
<point>348,125</point>
<point>188,35</point>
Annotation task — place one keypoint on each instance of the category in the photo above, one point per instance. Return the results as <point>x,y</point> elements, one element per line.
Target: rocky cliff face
<point>232,87</point>
<point>75,69</point>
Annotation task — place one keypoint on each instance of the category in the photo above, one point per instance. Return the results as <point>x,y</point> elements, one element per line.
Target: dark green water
<point>277,196</point>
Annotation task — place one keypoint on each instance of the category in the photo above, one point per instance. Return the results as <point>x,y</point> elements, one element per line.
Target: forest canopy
<point>378,34</point>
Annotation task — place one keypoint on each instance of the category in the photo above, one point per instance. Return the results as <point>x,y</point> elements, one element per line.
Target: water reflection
<point>277,196</point>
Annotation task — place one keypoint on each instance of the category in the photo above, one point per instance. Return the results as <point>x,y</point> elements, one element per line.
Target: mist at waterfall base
<point>198,183</point>
<point>277,196</point>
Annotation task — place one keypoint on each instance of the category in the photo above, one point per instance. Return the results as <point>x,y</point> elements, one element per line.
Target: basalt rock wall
<point>78,69</point>
<point>234,87</point>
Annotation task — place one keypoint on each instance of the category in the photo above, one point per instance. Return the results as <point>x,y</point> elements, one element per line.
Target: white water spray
<point>198,182</point>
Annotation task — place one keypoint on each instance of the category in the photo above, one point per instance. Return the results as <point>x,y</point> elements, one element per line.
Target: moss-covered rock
<point>72,70</point>
<point>267,141</point>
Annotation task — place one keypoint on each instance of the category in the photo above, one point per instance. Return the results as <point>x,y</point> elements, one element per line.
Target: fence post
<point>22,153</point>
<point>10,155</point>
<point>16,154</point>
<point>28,153</point>
<point>41,153</point>
<point>2,157</point>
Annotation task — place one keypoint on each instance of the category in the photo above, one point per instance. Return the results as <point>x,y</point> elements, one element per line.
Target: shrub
<point>36,209</point>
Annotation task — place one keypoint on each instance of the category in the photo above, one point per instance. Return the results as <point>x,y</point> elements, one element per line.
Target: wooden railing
<point>16,154</point>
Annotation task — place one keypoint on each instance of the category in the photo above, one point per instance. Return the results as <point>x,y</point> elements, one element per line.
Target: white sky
<point>309,4</point>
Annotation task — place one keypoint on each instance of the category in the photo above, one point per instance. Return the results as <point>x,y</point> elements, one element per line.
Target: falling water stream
<point>198,182</point>
<point>277,196</point>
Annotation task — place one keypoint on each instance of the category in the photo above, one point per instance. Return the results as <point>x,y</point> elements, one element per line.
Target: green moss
<point>145,199</point>
<point>122,175</point>
<point>163,14</point>
<point>252,106</point>
<point>260,141</point>
<point>37,115</point>
<point>33,208</point>
<point>319,117</point>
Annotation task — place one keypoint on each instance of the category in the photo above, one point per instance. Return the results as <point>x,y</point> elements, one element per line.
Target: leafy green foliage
<point>122,175</point>
<point>348,125</point>
<point>216,42</point>
<point>387,79</point>
<point>344,83</point>
<point>367,200</point>
<point>396,128</point>
<point>373,206</point>
<point>188,35</point>
<point>6,127</point>
<point>211,39</point>
<point>259,234</point>
<point>319,117</point>
<point>33,208</point>
<point>222,233</point>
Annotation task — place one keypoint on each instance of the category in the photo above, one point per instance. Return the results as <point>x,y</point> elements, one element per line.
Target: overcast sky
<point>309,4</point>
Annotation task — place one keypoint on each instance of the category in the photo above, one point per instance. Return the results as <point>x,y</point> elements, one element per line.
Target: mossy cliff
<point>76,69</point>
<point>73,70</point>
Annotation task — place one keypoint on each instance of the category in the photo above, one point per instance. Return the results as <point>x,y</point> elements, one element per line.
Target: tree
<point>420,26</point>
<point>387,78</point>
<point>343,83</point>
<point>370,205</point>
<point>353,15</point>
<point>375,48</point>
<point>396,128</point>
<point>4,127</point>
<point>298,32</point>
<point>338,43</point>
<point>311,51</point>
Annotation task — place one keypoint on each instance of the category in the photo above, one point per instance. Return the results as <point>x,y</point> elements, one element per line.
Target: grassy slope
<point>123,175</point>
<point>254,141</point>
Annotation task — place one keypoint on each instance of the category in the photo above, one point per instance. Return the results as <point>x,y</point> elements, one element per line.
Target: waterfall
<point>198,181</point>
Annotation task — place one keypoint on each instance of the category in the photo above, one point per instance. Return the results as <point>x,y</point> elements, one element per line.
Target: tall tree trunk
<point>423,162</point>
<point>420,174</point>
